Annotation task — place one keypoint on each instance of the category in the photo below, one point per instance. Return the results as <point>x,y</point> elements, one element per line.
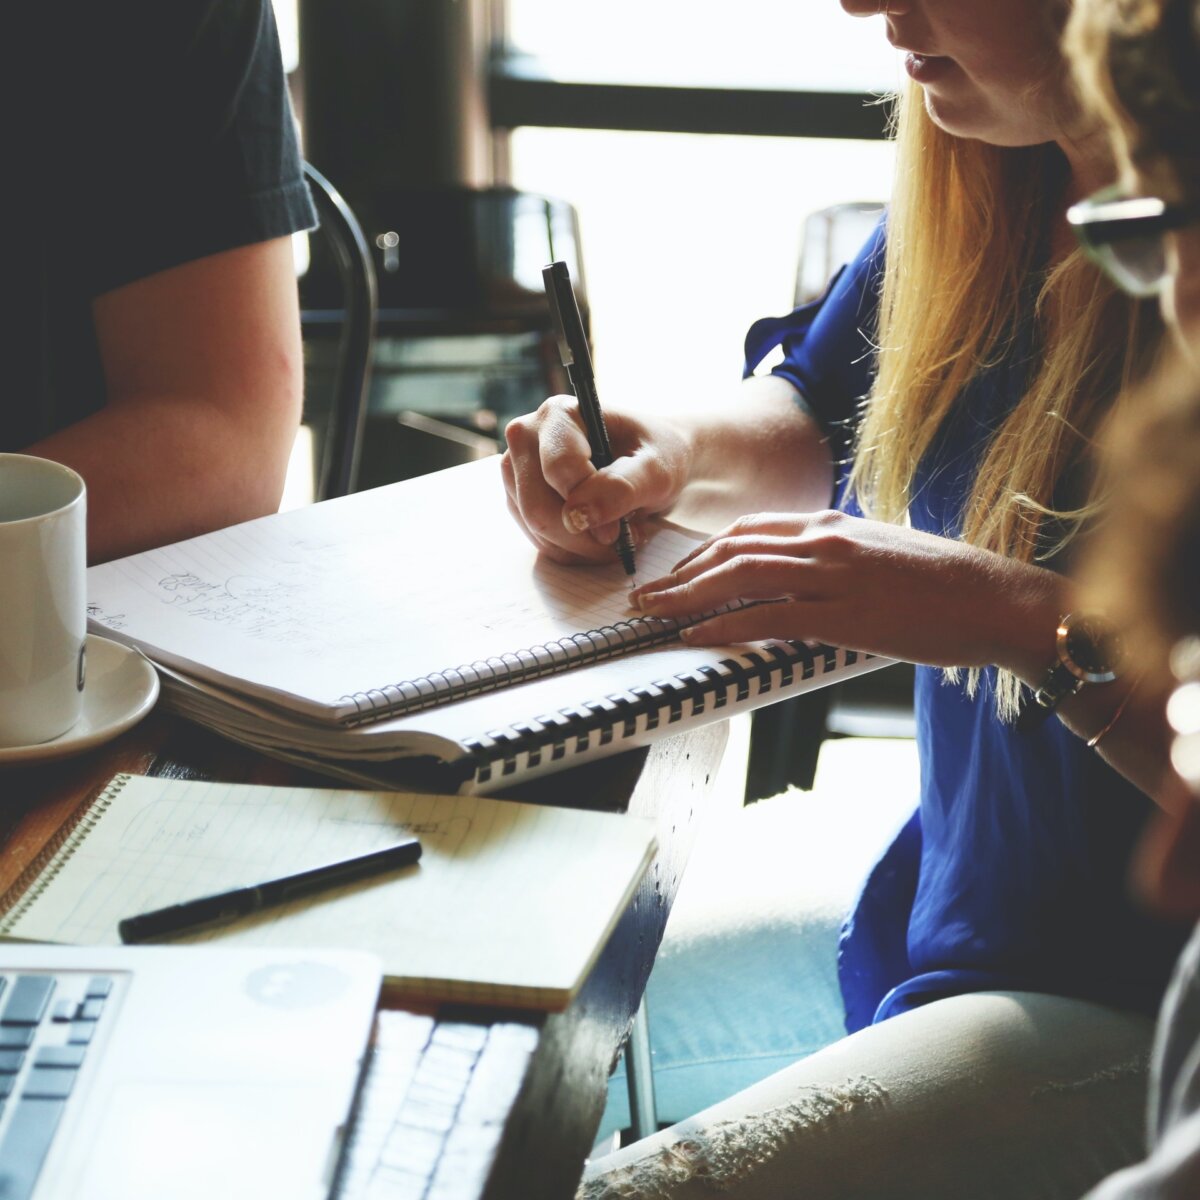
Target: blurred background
<point>670,151</point>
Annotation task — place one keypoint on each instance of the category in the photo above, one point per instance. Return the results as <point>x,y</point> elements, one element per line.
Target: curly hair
<point>1144,562</point>
<point>1138,63</point>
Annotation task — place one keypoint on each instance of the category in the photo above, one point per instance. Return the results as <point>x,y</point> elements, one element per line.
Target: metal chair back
<point>337,472</point>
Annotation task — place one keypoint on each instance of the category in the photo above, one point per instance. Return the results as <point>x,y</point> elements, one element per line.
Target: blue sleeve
<point>829,346</point>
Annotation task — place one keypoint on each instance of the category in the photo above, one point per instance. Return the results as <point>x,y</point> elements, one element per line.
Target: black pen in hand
<point>241,902</point>
<point>577,358</point>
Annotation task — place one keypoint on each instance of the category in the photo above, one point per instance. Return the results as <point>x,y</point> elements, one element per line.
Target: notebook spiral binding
<point>667,701</point>
<point>519,666</point>
<point>28,887</point>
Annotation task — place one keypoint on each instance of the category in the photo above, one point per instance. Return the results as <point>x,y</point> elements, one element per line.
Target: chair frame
<point>338,471</point>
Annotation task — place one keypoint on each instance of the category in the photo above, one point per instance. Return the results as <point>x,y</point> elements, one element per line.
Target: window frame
<point>521,92</point>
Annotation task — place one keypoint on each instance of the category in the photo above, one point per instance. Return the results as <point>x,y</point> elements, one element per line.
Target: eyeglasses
<point>1123,235</point>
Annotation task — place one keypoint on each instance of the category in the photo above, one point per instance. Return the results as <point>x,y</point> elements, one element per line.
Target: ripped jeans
<point>989,1096</point>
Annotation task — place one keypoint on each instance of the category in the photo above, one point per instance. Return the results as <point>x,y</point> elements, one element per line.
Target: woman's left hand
<point>863,585</point>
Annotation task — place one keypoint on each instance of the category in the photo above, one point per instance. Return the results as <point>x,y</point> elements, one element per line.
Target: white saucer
<point>121,689</point>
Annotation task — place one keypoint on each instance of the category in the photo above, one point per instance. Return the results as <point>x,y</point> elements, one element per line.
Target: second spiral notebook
<point>416,621</point>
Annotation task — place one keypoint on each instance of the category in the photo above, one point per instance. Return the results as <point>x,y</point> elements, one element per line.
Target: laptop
<point>173,1073</point>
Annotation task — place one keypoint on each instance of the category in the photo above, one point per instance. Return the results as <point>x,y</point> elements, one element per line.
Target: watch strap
<point>1058,684</point>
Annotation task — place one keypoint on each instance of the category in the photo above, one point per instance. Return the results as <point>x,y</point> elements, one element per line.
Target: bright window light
<point>751,43</point>
<point>686,239</point>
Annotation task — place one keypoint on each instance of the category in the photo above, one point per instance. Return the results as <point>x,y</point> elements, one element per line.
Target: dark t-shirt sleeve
<point>188,141</point>
<point>829,346</point>
<point>151,133</point>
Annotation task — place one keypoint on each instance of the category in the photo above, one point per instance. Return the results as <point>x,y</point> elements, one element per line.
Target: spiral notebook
<point>416,620</point>
<point>510,904</point>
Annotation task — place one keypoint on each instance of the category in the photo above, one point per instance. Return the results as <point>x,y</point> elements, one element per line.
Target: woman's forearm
<point>763,453</point>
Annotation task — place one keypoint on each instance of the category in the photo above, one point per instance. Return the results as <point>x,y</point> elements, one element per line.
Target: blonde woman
<point>997,981</point>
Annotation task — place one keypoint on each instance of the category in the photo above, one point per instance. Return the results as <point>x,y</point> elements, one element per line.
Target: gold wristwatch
<point>1088,651</point>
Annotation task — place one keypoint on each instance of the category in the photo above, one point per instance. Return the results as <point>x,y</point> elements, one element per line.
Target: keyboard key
<point>415,1151</point>
<point>390,1184</point>
<point>10,1064</point>
<point>466,1161</point>
<point>81,1032</point>
<point>99,986</point>
<point>16,1037</point>
<point>90,1010</point>
<point>48,1083</point>
<point>59,1056</point>
<point>65,1009</point>
<point>431,1113</point>
<point>25,1145</point>
<point>7,1082</point>
<point>28,999</point>
<point>462,1034</point>
<point>499,1074</point>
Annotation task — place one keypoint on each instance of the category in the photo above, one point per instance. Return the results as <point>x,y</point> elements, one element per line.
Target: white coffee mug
<point>43,599</point>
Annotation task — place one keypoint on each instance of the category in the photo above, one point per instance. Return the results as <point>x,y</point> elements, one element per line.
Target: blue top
<point>1012,873</point>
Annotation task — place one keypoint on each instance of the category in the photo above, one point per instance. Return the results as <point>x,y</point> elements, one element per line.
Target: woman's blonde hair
<point>967,247</point>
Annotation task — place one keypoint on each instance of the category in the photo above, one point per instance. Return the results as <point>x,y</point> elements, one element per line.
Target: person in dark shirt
<point>153,340</point>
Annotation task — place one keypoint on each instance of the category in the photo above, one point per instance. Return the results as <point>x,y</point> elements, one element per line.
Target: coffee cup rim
<point>60,468</point>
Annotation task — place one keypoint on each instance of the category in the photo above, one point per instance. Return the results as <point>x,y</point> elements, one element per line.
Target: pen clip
<point>564,350</point>
<point>564,312</point>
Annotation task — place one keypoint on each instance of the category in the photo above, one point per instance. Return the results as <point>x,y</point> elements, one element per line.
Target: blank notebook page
<point>510,903</point>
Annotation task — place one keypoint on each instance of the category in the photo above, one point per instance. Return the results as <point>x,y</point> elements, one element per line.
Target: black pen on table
<point>241,902</point>
<point>577,358</point>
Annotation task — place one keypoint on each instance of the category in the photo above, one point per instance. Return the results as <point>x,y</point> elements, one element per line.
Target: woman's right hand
<point>567,507</point>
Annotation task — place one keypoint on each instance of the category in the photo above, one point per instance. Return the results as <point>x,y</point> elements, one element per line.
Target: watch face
<point>1088,648</point>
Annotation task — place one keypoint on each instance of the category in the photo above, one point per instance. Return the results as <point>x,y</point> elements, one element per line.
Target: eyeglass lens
<point>1137,264</point>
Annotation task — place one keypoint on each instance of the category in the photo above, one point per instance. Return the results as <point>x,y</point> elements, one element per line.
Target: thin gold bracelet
<point>1094,740</point>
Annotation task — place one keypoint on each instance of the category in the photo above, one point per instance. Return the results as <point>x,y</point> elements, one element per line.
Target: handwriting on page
<point>298,598</point>
<point>260,607</point>
<point>365,592</point>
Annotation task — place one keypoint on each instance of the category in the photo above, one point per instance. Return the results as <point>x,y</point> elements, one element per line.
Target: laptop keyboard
<point>46,1026</point>
<point>432,1108</point>
<point>428,1122</point>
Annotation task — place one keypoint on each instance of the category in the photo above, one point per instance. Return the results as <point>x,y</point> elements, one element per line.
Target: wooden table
<point>538,1151</point>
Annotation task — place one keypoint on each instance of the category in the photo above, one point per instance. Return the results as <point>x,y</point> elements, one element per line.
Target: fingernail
<point>576,519</point>
<point>688,632</point>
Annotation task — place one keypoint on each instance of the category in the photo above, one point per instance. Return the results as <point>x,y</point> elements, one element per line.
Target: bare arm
<point>202,365</point>
<point>762,453</point>
<point>905,594</point>
<point>1128,714</point>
